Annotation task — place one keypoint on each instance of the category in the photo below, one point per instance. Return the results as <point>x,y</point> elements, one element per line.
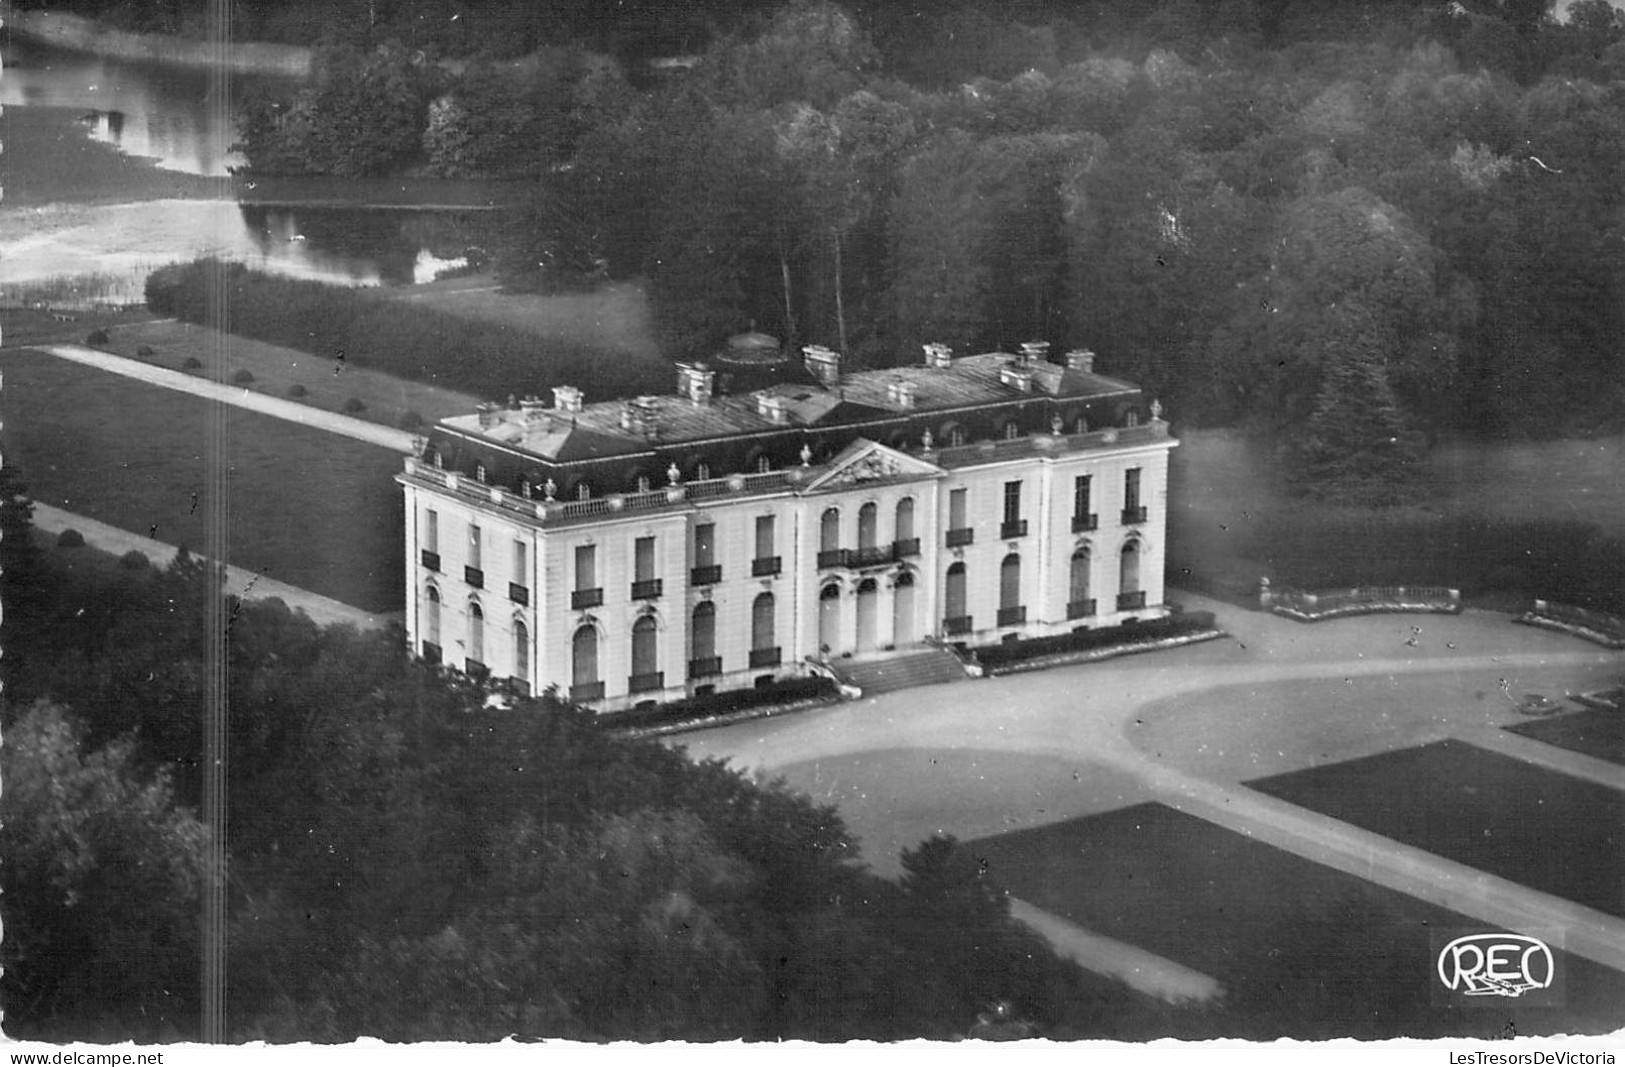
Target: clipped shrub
<point>242,377</point>
<point>145,351</point>
<point>191,363</point>
<point>96,337</point>
<point>70,538</point>
<point>354,406</point>
<point>298,390</point>
<point>411,421</point>
<point>134,560</point>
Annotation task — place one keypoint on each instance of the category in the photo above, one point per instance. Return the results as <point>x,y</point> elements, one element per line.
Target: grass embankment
<point>1593,732</point>
<point>331,384</point>
<point>1501,522</point>
<point>308,507</point>
<point>1302,950</point>
<point>1501,815</point>
<point>395,336</point>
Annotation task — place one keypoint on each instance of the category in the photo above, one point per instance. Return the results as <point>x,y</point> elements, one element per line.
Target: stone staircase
<point>899,670</point>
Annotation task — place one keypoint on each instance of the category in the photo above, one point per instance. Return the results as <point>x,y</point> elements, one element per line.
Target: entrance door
<point>903,611</point>
<point>829,620</point>
<point>868,608</point>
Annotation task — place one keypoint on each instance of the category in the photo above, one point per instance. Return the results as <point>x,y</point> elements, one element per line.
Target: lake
<point>113,169</point>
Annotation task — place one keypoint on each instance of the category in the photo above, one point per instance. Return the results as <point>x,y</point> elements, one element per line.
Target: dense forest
<point>1353,227</point>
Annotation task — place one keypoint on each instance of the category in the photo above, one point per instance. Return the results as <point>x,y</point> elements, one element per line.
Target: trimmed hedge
<point>70,538</point>
<point>134,560</point>
<point>243,377</point>
<point>784,691</point>
<point>354,406</point>
<point>1189,622</point>
<point>370,330</point>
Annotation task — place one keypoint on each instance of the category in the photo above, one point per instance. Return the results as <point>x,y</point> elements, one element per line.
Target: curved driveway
<point>983,757</point>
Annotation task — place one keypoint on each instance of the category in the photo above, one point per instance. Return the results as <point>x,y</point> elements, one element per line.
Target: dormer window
<point>643,483</point>
<point>702,470</point>
<point>479,473</point>
<point>583,491</point>
<point>1011,431</point>
<point>434,457</point>
<point>1132,419</point>
<point>525,489</point>
<point>763,464</point>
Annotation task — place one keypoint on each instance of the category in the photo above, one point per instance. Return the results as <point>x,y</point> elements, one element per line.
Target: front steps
<point>899,670</point>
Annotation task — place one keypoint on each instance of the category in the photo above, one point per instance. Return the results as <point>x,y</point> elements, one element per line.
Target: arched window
<point>1012,430</point>
<point>703,630</point>
<point>583,490</point>
<point>584,656</point>
<point>763,464</point>
<point>1128,580</point>
<point>521,652</point>
<point>1131,419</point>
<point>431,622</point>
<point>645,653</point>
<point>829,530</point>
<point>954,600</point>
<point>1081,424</point>
<point>866,525</point>
<point>905,519</point>
<point>761,623</point>
<point>702,471</point>
<point>1010,581</point>
<point>640,483</point>
<point>476,634</point>
<point>1078,583</point>
<point>953,434</point>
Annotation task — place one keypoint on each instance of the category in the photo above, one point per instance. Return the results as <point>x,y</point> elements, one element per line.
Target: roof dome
<point>751,347</point>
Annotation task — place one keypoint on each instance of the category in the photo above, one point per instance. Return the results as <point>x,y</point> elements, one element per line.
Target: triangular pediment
<point>869,461</point>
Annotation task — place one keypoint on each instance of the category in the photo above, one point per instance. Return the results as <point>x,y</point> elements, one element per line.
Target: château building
<point>661,546</point>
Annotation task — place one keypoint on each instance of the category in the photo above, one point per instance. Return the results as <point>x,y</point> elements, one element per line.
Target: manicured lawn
<point>327,382</point>
<point>1594,732</point>
<point>1302,950</point>
<point>308,507</point>
<point>1558,834</point>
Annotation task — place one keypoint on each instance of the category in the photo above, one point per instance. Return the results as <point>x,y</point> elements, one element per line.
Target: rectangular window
<point>764,536</point>
<point>1131,489</point>
<point>956,509</point>
<point>586,567</point>
<point>520,571</point>
<point>474,547</point>
<point>1080,496</point>
<point>1012,502</point>
<point>643,559</point>
<point>431,530</point>
<point>705,545</point>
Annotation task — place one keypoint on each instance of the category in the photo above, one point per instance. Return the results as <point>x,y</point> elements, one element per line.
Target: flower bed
<point>1086,646</point>
<point>1599,627</point>
<point>720,709</point>
<point>1360,600</point>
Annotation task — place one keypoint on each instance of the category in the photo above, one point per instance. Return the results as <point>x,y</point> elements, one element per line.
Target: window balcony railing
<point>764,566</point>
<point>474,576</point>
<point>1014,528</point>
<point>647,589</point>
<point>519,594</point>
<point>431,652</point>
<point>643,683</point>
<point>872,556</point>
<point>908,546</point>
<point>963,536</point>
<point>958,624</point>
<point>1013,616</point>
<point>833,557</point>
<point>583,692</point>
<point>1085,523</point>
<point>705,666</point>
<point>1133,515</point>
<point>431,560</point>
<point>710,574</point>
<point>766,657</point>
<point>1080,609</point>
<point>586,598</point>
<point>1131,601</point>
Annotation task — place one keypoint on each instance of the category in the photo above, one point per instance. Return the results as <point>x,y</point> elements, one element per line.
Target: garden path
<point>1084,715</point>
<point>371,433</point>
<point>245,584</point>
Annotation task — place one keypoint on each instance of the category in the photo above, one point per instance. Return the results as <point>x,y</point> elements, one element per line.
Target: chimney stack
<point>641,415</point>
<point>532,413</point>
<point>900,391</point>
<point>771,407</point>
<point>824,363</point>
<point>1081,359</point>
<point>1034,351</point>
<point>566,398</point>
<point>1018,374</point>
<point>696,382</point>
<point>938,355</point>
<point>488,415</point>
